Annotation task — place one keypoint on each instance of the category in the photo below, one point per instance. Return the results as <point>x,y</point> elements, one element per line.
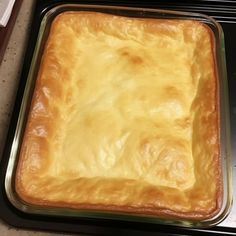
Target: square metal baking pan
<point>224,119</point>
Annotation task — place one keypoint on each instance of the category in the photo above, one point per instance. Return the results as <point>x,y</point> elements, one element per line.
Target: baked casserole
<point>124,118</point>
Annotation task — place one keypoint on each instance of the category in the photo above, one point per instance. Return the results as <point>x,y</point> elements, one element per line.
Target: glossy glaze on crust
<point>124,117</point>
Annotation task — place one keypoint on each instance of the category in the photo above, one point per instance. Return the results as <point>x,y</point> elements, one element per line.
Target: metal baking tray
<point>224,116</point>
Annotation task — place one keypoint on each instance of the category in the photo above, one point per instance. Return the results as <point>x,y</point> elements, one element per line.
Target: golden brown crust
<point>124,118</point>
